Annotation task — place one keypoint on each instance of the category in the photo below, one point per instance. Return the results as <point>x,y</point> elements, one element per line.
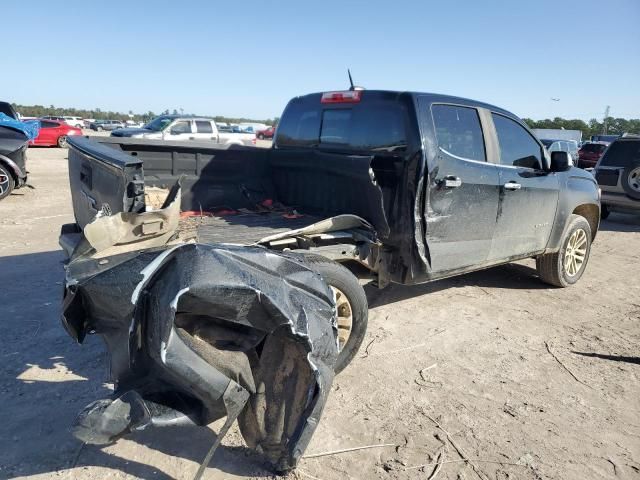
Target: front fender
<point>578,194</point>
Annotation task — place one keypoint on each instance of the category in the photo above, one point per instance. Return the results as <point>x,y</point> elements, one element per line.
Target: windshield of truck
<point>621,154</point>
<point>158,124</point>
<point>372,125</point>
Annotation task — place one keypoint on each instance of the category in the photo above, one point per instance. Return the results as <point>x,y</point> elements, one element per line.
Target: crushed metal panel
<point>196,328</point>
<point>113,234</point>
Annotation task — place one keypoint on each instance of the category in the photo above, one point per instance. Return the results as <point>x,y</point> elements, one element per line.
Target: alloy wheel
<point>4,183</point>
<point>575,252</point>
<point>634,179</point>
<point>345,317</point>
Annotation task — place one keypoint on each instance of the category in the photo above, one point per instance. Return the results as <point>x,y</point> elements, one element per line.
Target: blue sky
<point>248,58</point>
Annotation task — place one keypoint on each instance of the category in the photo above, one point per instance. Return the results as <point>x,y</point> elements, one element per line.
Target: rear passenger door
<point>528,192</point>
<point>460,212</point>
<point>204,130</point>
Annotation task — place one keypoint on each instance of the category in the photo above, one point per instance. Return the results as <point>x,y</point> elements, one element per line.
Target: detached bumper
<point>197,333</point>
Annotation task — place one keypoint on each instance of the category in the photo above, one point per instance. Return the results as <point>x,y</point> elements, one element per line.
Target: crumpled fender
<point>188,324</point>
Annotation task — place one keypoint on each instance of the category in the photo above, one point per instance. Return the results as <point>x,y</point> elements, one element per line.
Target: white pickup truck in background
<point>178,127</point>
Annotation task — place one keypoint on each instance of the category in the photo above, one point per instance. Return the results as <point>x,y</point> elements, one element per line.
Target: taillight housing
<point>349,96</point>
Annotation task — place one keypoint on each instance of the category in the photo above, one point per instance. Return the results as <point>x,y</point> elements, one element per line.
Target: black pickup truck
<point>170,239</point>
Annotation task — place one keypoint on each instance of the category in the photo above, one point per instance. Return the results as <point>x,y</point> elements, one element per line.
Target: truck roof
<point>432,97</point>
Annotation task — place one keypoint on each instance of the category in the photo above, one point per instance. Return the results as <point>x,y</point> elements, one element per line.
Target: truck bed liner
<point>242,228</point>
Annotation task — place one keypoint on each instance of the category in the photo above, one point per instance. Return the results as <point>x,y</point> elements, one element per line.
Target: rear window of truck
<point>375,125</point>
<point>593,148</point>
<point>621,154</point>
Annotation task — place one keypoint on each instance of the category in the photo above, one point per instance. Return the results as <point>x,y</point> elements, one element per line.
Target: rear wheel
<point>565,267</point>
<point>631,181</point>
<point>6,182</point>
<point>261,137</point>
<point>62,141</point>
<point>351,305</point>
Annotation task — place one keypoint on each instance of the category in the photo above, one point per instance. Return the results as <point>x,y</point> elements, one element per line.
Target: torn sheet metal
<point>199,332</point>
<point>124,231</point>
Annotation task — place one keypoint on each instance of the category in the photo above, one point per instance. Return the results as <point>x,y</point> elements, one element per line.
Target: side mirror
<point>560,161</point>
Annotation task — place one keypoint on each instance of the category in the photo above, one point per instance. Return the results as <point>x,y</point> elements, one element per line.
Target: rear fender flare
<point>579,195</point>
<point>18,174</point>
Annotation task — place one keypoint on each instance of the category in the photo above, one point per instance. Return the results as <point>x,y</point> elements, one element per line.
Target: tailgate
<point>103,179</point>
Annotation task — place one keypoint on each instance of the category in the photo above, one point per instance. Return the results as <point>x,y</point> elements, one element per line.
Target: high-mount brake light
<point>351,96</point>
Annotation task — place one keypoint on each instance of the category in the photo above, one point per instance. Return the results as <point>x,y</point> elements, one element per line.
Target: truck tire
<point>565,267</point>
<point>630,180</point>
<point>6,182</point>
<point>351,302</point>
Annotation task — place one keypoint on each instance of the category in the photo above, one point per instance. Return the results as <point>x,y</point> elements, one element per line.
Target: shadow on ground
<point>510,276</point>
<point>614,358</point>
<point>621,222</point>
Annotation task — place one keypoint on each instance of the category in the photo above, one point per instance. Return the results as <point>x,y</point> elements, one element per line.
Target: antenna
<point>353,87</point>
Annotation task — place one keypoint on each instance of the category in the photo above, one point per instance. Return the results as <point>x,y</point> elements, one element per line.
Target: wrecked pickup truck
<point>206,268</point>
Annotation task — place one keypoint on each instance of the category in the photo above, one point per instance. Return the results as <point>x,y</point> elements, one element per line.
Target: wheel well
<point>592,213</point>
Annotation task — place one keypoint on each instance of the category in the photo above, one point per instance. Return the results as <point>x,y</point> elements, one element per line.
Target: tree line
<point>98,114</point>
<point>609,126</point>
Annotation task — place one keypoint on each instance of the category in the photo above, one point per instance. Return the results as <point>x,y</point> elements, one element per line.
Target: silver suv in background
<point>176,127</point>
<point>100,125</point>
<point>569,146</point>
<point>618,175</point>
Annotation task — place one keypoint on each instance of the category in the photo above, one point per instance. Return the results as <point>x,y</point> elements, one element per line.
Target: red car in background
<point>54,133</point>
<point>266,133</point>
<point>590,153</point>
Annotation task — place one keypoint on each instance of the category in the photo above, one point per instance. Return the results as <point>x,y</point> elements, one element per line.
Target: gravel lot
<point>530,382</point>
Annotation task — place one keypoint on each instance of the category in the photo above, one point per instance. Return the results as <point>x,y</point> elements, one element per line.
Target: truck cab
<point>470,179</point>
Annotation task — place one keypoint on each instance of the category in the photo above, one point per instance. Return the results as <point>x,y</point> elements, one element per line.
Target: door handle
<point>512,186</point>
<point>451,181</point>
<point>192,138</point>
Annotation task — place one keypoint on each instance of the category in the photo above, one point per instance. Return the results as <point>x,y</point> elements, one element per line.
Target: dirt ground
<point>530,382</point>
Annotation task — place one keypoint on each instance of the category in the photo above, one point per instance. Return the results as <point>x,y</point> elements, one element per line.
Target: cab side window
<point>517,147</point>
<point>459,132</point>
<point>181,127</point>
<point>203,127</point>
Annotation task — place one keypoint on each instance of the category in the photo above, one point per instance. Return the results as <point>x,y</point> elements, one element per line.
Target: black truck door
<point>462,203</point>
<point>528,193</point>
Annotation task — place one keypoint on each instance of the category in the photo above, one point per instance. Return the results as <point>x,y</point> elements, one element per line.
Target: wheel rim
<point>62,142</point>
<point>4,183</point>
<point>634,179</point>
<point>345,317</point>
<point>575,253</point>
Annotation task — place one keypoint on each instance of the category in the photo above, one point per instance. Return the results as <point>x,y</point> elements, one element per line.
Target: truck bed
<point>240,228</point>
